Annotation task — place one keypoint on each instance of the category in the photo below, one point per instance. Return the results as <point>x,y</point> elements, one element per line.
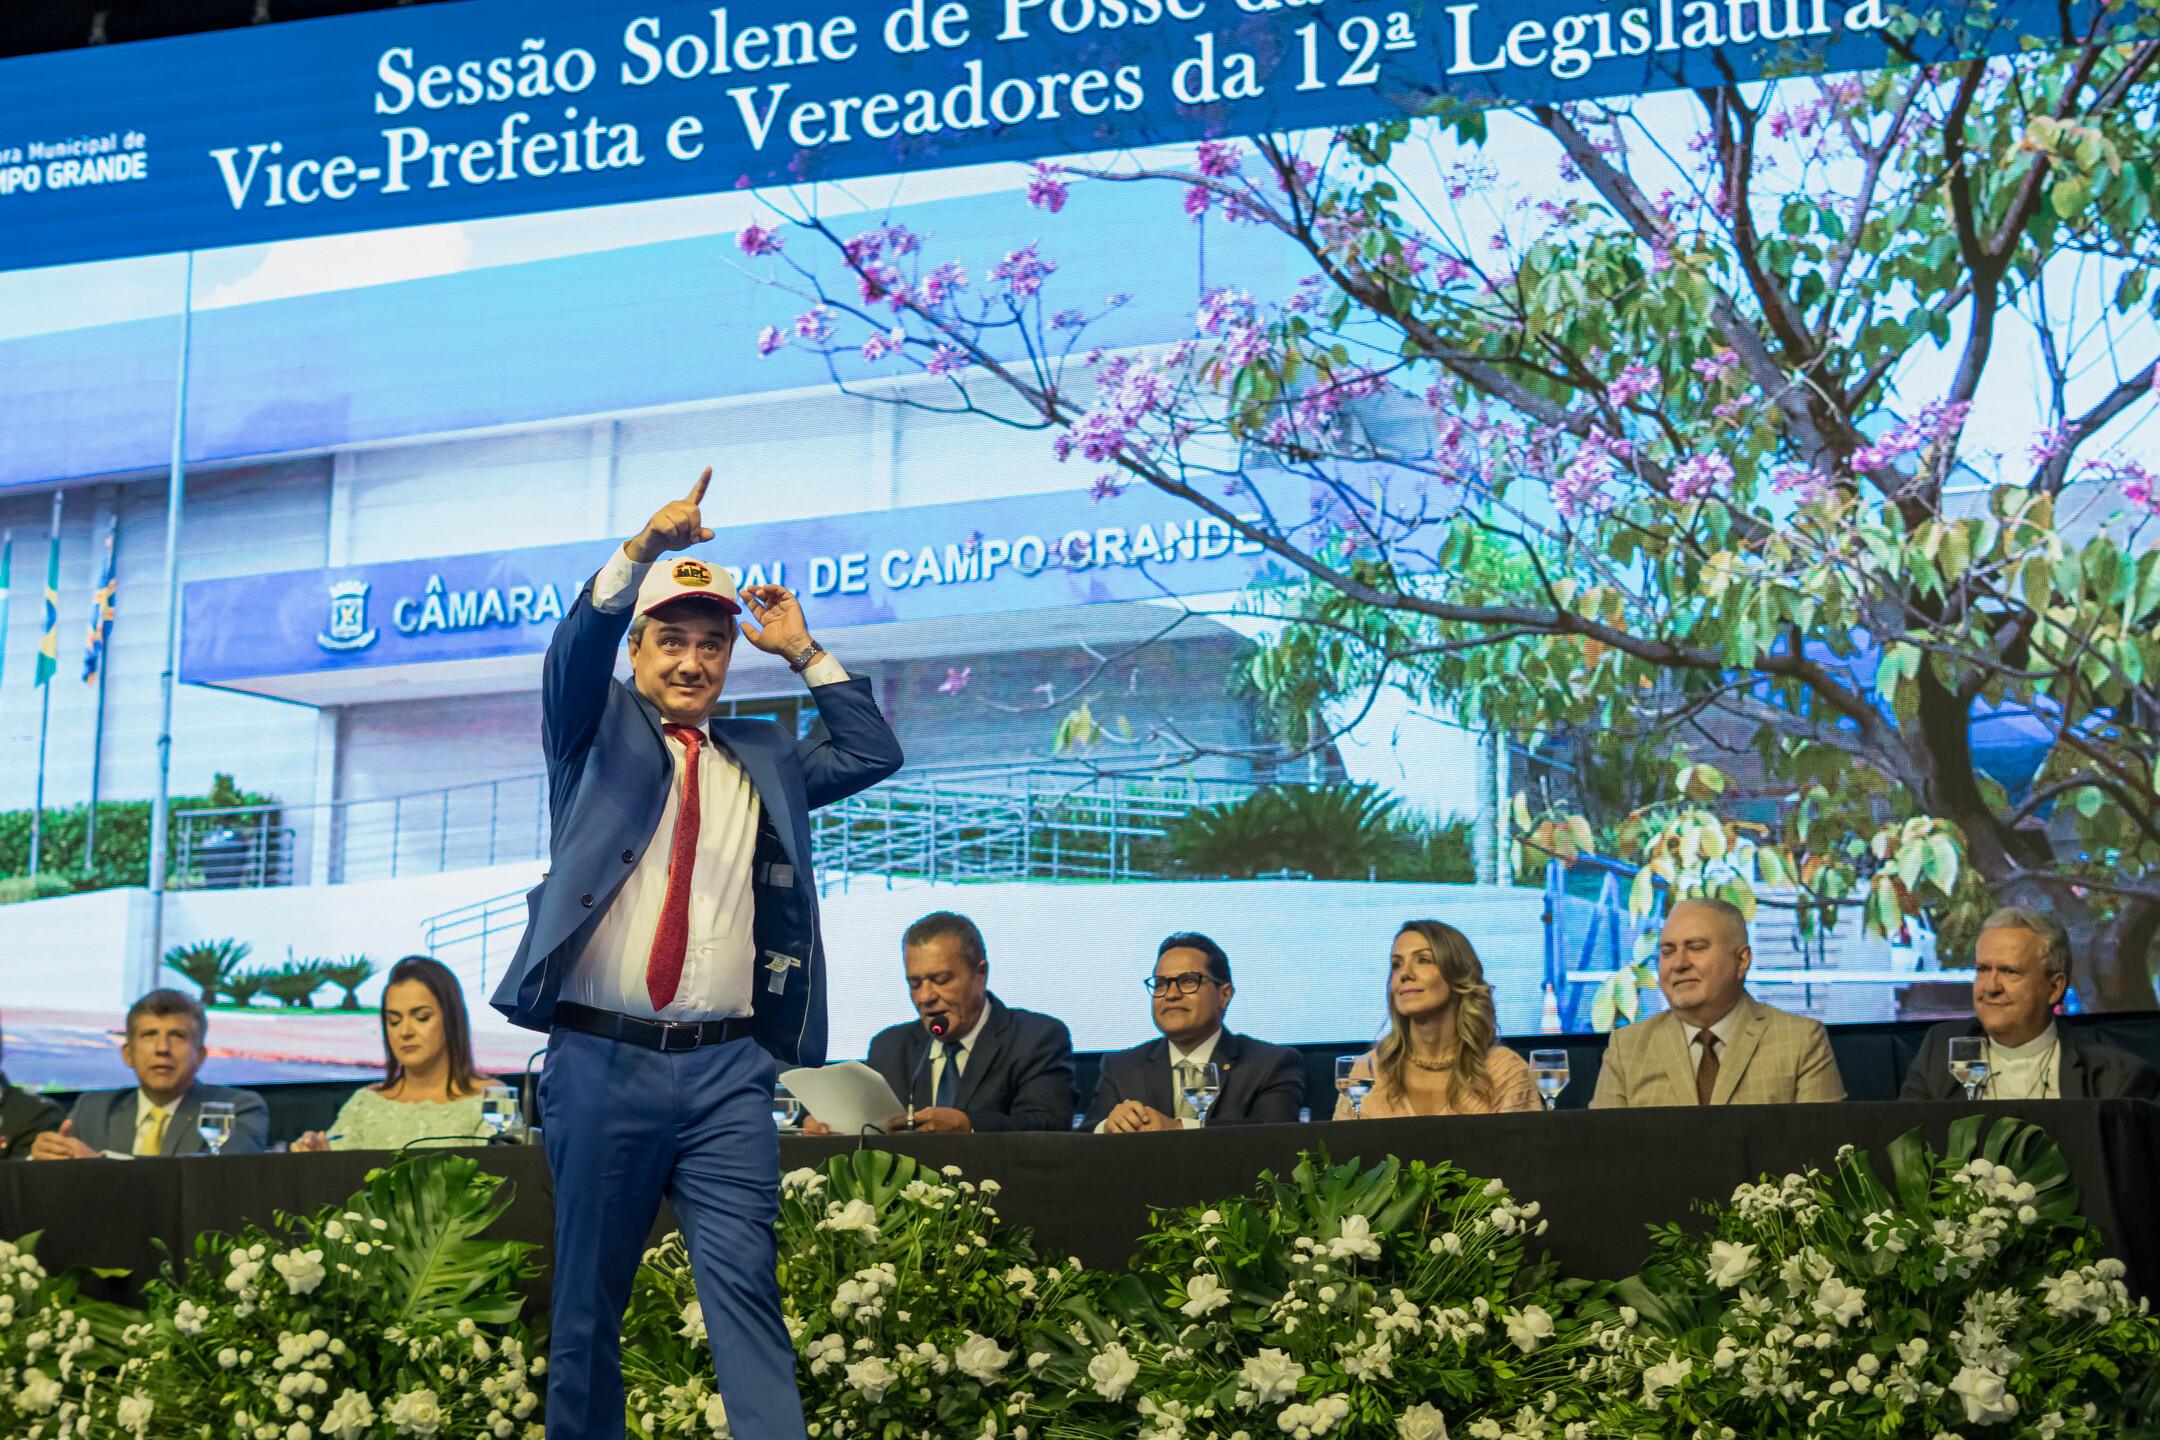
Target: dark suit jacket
<point>608,776</point>
<point>105,1120</point>
<point>1262,1084</point>
<point>1019,1076</point>
<point>2090,1070</point>
<point>24,1117</point>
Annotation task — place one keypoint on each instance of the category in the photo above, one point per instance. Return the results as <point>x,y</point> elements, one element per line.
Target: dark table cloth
<point>1601,1176</point>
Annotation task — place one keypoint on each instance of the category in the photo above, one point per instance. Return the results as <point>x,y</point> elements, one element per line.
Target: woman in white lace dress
<point>429,1092</point>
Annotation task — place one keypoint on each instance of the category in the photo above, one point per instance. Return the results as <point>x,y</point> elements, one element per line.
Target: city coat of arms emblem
<point>349,629</point>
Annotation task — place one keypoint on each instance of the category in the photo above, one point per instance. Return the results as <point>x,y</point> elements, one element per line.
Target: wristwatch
<point>806,657</point>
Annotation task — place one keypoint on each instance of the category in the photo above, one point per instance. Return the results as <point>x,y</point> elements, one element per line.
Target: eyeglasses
<point>1188,983</point>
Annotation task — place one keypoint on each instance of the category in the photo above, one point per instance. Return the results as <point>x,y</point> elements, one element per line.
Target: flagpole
<point>104,577</point>
<point>44,679</point>
<point>175,494</point>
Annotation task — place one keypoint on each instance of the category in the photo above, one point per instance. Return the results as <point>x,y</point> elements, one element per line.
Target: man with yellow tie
<point>167,1036</point>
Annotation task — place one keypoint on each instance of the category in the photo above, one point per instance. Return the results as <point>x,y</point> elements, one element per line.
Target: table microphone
<point>937,1025</point>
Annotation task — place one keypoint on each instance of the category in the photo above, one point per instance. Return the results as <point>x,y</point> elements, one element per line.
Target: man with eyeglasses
<point>1142,1088</point>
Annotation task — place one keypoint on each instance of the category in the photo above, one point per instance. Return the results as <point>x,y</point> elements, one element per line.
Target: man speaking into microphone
<point>672,955</point>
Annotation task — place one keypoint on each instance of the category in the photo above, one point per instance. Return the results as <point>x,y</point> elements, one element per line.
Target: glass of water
<point>1969,1063</point>
<point>787,1111</point>
<point>1201,1084</point>
<point>214,1123</point>
<point>1348,1082</point>
<point>1549,1068</point>
<point>498,1109</point>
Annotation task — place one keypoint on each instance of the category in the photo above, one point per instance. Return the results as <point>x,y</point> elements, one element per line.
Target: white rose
<point>417,1412</point>
<point>133,1413</point>
<point>693,1320</point>
<point>1527,1326</point>
<point>38,1392</point>
<point>1203,1293</point>
<point>858,1216</point>
<point>980,1356</point>
<point>302,1269</point>
<point>188,1319</point>
<point>351,1415</point>
<point>873,1377</point>
<point>716,1418</point>
<point>1840,1302</point>
<point>1664,1377</point>
<point>1355,1241</point>
<point>1112,1372</point>
<point>1271,1376</point>
<point>1423,1423</point>
<point>1730,1264</point>
<point>1987,1400</point>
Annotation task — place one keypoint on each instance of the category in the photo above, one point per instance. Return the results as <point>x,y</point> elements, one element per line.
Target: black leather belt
<point>666,1036</point>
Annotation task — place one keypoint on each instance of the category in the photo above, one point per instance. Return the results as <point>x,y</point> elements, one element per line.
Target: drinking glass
<point>1969,1063</point>
<point>1357,1087</point>
<point>1201,1084</point>
<point>214,1123</point>
<point>498,1108</point>
<point>1549,1068</point>
<point>786,1109</point>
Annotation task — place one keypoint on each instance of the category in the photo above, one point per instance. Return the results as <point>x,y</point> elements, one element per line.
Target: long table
<point>1601,1176</point>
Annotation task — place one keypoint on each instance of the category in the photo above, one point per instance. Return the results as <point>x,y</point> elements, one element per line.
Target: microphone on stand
<point>937,1025</point>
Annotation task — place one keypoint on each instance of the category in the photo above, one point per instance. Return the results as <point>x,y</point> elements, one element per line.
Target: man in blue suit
<point>672,954</point>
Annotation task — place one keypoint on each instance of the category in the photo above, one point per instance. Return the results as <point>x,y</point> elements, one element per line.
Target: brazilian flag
<point>48,655</point>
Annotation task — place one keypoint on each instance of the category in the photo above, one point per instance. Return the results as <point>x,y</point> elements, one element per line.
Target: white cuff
<point>1188,1122</point>
<point>615,588</point>
<point>823,671</point>
<point>1100,1123</point>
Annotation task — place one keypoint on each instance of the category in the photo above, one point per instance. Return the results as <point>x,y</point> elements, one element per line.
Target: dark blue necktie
<point>948,1080</point>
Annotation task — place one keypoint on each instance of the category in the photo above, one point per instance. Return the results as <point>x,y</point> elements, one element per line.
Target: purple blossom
<point>1718,368</point>
<point>1937,421</point>
<point>1023,271</point>
<point>1698,475</point>
<point>942,284</point>
<point>1067,320</point>
<point>945,360</point>
<point>1634,381</point>
<point>1219,158</point>
<point>2048,444</point>
<point>758,240</point>
<point>1799,480</point>
<point>1106,487</point>
<point>1197,200</point>
<point>877,347</point>
<point>2140,487</point>
<point>769,340</point>
<point>955,680</point>
<point>1045,191</point>
<point>882,282</point>
<point>1244,345</point>
<point>1220,307</point>
<point>815,323</point>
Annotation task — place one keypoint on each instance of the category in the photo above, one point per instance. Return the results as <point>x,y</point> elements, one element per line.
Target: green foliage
<point>41,886</point>
<point>294,983</point>
<point>349,974</point>
<point>209,964</point>
<point>1330,832</point>
<point>242,986</point>
<point>122,856</point>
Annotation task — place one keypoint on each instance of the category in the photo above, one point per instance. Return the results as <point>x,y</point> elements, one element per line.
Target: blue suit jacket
<point>105,1120</point>
<point>608,777</point>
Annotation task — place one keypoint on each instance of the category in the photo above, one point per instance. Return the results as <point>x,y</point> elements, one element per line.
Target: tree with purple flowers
<point>1695,448</point>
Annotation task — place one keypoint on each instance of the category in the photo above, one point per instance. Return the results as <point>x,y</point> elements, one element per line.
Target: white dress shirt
<point>967,1048</point>
<point>2031,1071</point>
<point>720,956</point>
<point>1200,1054</point>
<point>1723,1029</point>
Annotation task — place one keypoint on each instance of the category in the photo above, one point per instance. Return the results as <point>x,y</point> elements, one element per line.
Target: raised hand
<point>674,526</point>
<point>781,629</point>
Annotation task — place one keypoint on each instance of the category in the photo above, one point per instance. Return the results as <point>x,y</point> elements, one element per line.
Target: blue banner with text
<point>445,112</point>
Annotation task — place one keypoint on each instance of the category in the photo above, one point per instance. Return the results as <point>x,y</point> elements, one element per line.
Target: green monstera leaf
<point>435,1209</point>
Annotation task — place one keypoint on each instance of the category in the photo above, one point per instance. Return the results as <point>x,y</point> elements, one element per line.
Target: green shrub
<point>122,856</point>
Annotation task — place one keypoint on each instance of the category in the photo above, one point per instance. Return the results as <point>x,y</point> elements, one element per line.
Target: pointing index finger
<point>697,491</point>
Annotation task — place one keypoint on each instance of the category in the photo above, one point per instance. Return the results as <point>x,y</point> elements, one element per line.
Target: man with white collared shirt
<point>2021,967</point>
<point>1717,1044</point>
<point>167,1033</point>
<point>673,956</point>
<point>969,1062</point>
<point>1144,1088</point>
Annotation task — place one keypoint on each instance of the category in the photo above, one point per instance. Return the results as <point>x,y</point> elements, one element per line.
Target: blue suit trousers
<point>623,1126</point>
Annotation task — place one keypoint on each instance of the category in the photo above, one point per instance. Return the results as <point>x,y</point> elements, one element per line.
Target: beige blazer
<point>1772,1059</point>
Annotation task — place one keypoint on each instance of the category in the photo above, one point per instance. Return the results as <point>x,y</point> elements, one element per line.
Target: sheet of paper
<point>846,1096</point>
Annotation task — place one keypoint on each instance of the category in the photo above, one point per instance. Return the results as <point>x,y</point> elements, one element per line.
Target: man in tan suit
<point>1717,1045</point>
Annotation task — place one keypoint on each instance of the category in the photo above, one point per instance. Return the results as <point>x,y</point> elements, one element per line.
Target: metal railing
<point>458,931</point>
<point>425,832</point>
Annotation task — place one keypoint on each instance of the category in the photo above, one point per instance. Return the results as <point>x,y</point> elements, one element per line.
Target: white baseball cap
<point>683,578</point>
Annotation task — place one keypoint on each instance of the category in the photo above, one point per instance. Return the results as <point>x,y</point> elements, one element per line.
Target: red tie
<point>663,972</point>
